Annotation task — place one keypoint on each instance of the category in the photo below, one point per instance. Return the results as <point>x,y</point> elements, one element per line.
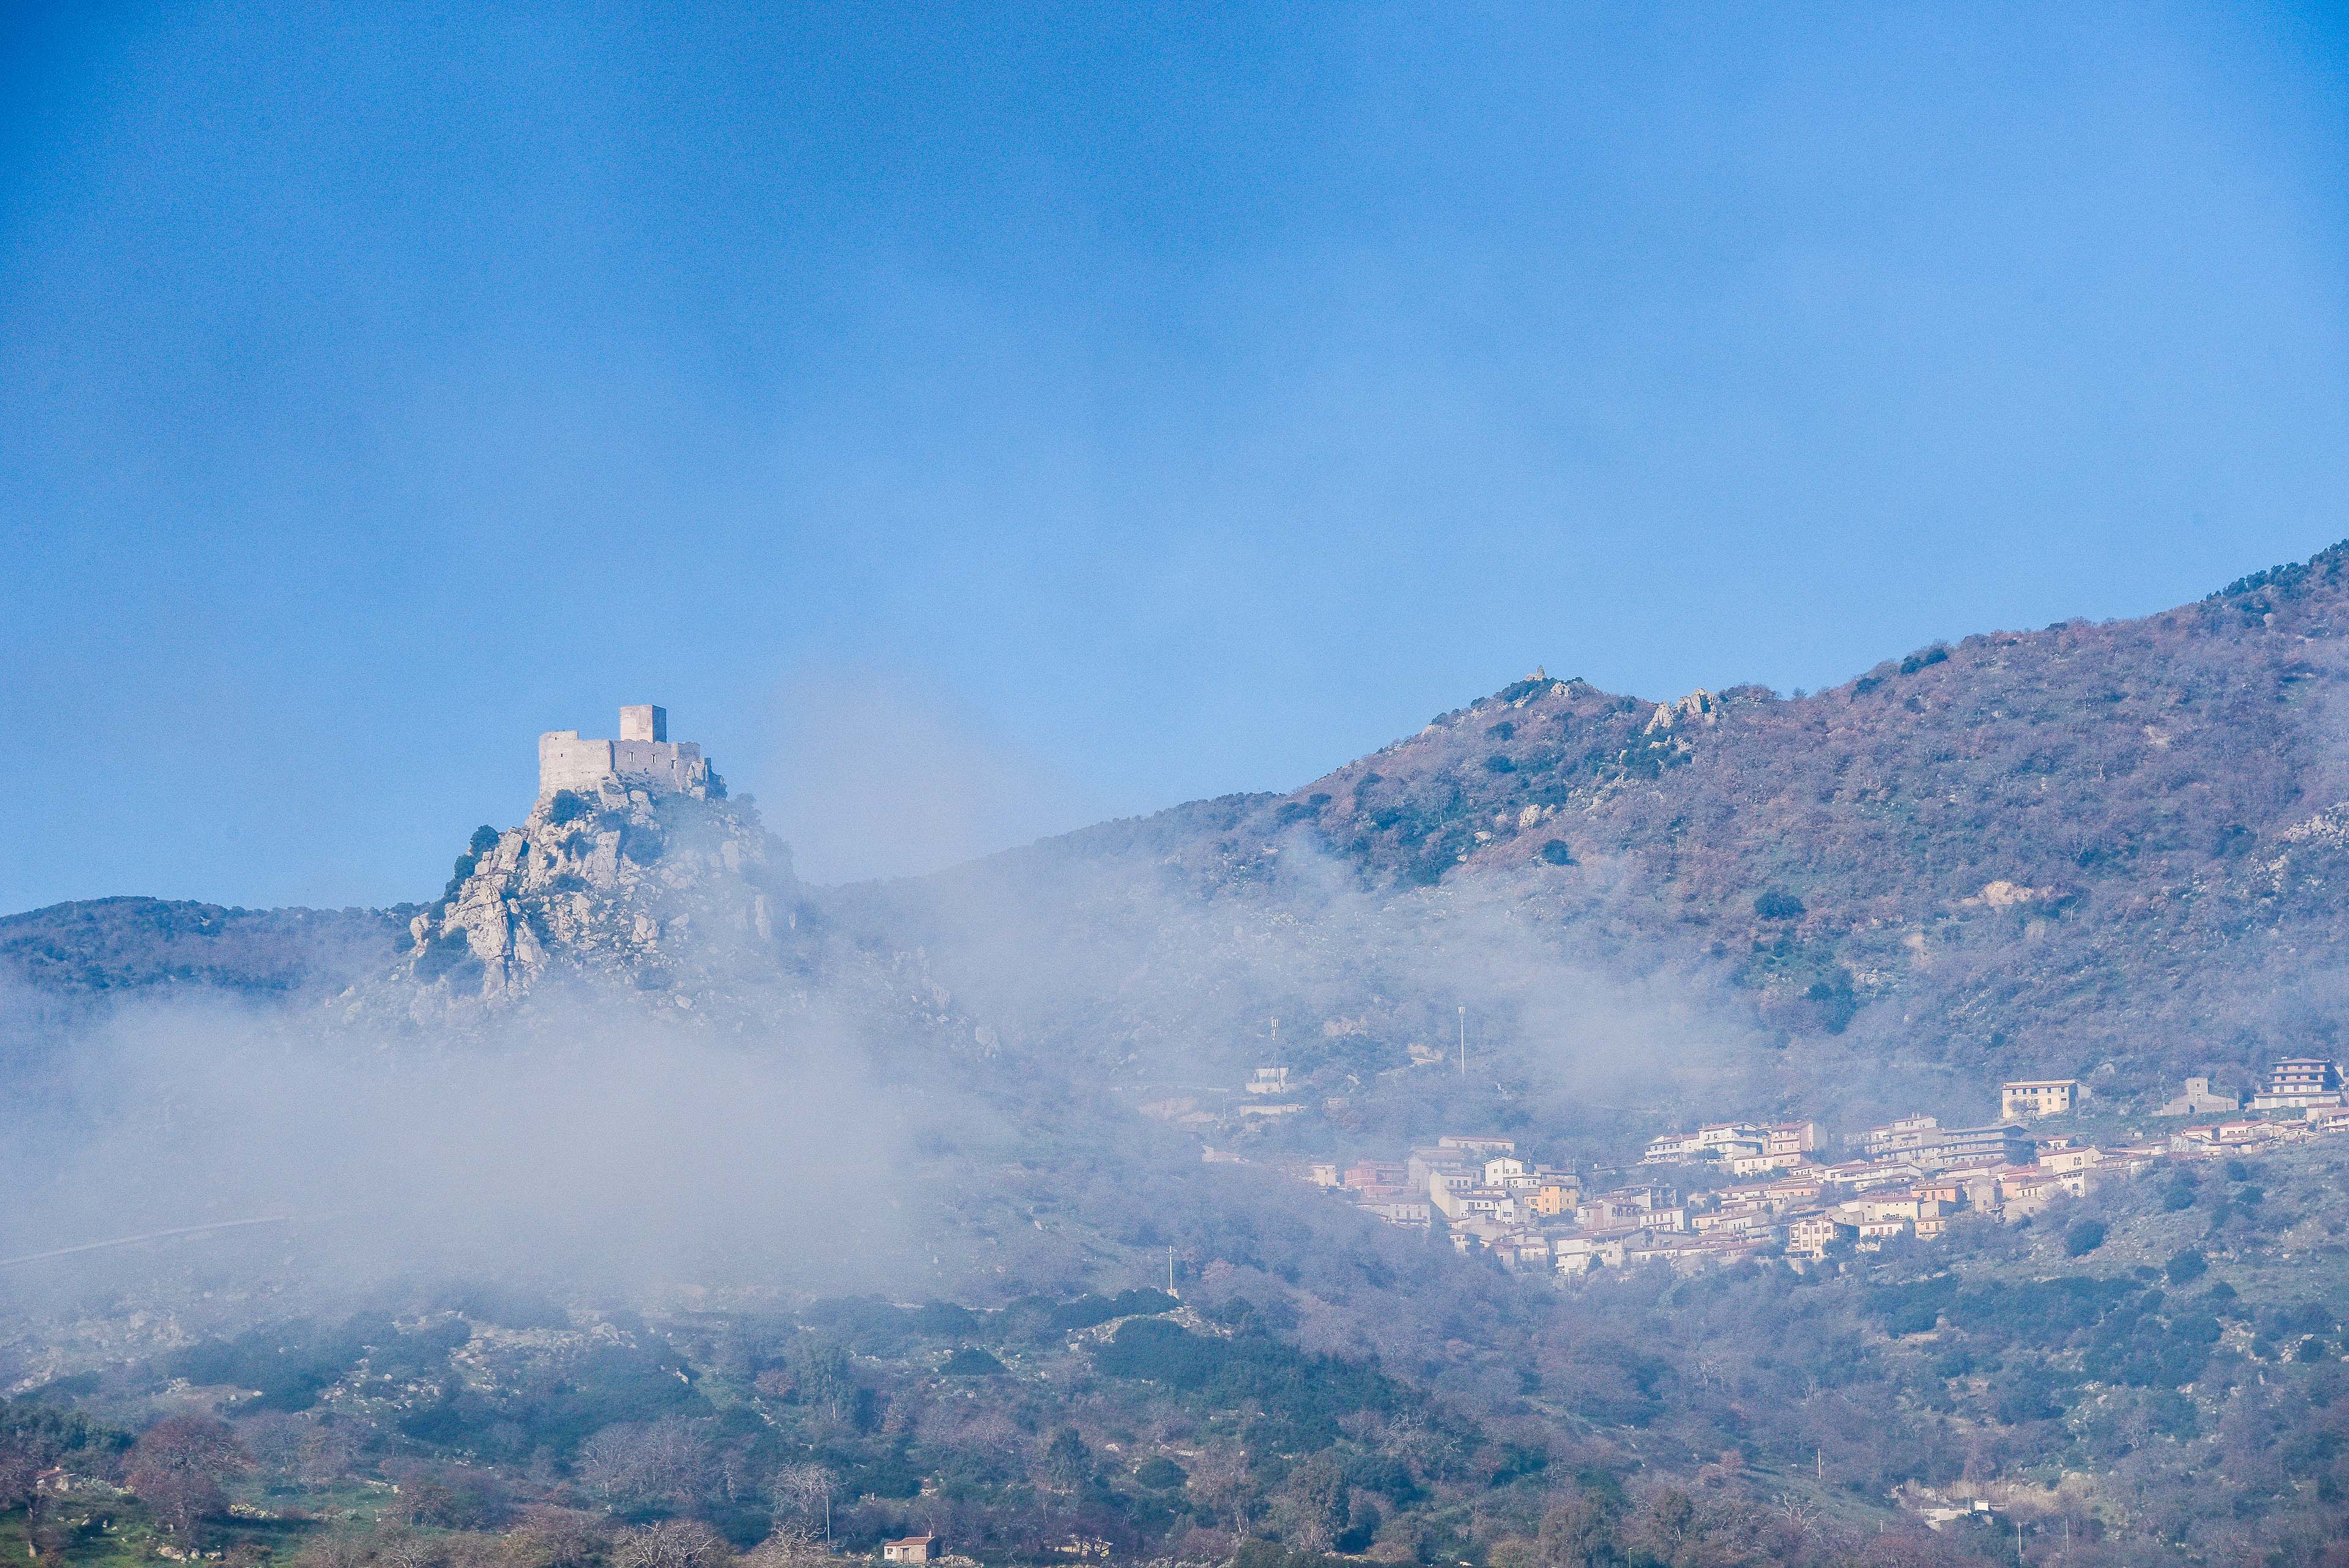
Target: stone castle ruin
<point>642,758</point>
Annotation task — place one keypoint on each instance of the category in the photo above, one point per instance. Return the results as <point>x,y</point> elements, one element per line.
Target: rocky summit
<point>668,891</point>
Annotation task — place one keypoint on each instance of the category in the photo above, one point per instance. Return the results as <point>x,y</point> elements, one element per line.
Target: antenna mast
<point>1463,1039</point>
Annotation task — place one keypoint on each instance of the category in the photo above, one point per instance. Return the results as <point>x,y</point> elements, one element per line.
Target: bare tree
<point>607,1462</point>
<point>550,1537</point>
<point>1796,1509</point>
<point>403,1546</point>
<point>673,1464</point>
<point>792,1545</point>
<point>338,1549</point>
<point>20,1486</point>
<point>275,1440</point>
<point>177,1466</point>
<point>807,1489</point>
<point>1219,1479</point>
<point>329,1449</point>
<point>672,1543</point>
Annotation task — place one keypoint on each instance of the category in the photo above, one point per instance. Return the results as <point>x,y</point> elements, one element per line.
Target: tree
<point>807,1490</point>
<point>791,1545</point>
<point>1219,1480</point>
<point>823,1375</point>
<point>1578,1533</point>
<point>402,1546</point>
<point>177,1466</point>
<point>551,1537</point>
<point>2083,1238</point>
<point>1313,1506</point>
<point>607,1462</point>
<point>20,1481</point>
<point>1067,1463</point>
<point>337,1549</point>
<point>672,1543</point>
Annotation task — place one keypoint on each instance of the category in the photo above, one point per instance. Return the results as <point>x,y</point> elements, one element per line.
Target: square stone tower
<point>644,722</point>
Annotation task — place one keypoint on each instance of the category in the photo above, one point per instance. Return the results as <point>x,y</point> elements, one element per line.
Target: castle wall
<point>566,762</point>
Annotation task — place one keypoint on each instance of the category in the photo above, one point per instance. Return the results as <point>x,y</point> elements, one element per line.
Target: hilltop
<point>2115,849</point>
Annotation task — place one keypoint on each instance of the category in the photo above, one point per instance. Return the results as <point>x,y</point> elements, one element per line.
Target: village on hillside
<point>1731,1191</point>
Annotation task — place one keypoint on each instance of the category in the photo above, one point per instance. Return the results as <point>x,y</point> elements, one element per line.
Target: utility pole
<point>1170,1270</point>
<point>1463,1039</point>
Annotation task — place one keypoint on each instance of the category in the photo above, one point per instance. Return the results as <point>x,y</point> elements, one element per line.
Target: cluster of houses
<point>1734,1191</point>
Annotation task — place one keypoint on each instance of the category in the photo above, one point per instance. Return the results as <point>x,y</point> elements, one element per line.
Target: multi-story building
<point>2028,1100</point>
<point>1874,1233</point>
<point>1900,1137</point>
<point>1955,1146</point>
<point>2298,1082</point>
<point>1715,1141</point>
<point>1553,1196</point>
<point>1810,1235</point>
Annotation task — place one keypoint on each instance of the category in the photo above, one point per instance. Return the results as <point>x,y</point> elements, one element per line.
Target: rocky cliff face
<point>665,892</point>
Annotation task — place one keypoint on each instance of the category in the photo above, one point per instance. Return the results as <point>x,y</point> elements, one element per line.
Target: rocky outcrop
<point>663,891</point>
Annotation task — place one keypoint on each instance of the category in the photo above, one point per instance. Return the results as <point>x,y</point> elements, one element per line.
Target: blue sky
<point>974,421</point>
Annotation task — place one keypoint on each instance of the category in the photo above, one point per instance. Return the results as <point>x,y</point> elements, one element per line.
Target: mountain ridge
<point>2094,848</point>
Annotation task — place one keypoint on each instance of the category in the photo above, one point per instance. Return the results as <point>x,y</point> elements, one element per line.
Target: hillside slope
<point>2118,847</point>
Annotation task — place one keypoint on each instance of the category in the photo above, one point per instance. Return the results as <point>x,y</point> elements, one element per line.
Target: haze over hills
<point>2099,849</point>
<point>630,1146</point>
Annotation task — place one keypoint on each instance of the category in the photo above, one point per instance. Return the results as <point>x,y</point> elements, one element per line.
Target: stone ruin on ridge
<point>642,758</point>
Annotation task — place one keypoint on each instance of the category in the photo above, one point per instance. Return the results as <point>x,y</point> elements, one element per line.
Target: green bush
<point>2083,1238</point>
<point>2186,1267</point>
<point>1775,905</point>
<point>1161,1473</point>
<point>566,806</point>
<point>1556,853</point>
<point>484,839</point>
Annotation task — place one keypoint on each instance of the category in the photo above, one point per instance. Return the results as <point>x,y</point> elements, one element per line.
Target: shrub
<point>2083,1238</point>
<point>566,806</point>
<point>970,1362</point>
<point>1161,1473</point>
<point>1556,853</point>
<point>1498,763</point>
<point>484,839</point>
<point>1775,905</point>
<point>2186,1267</point>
